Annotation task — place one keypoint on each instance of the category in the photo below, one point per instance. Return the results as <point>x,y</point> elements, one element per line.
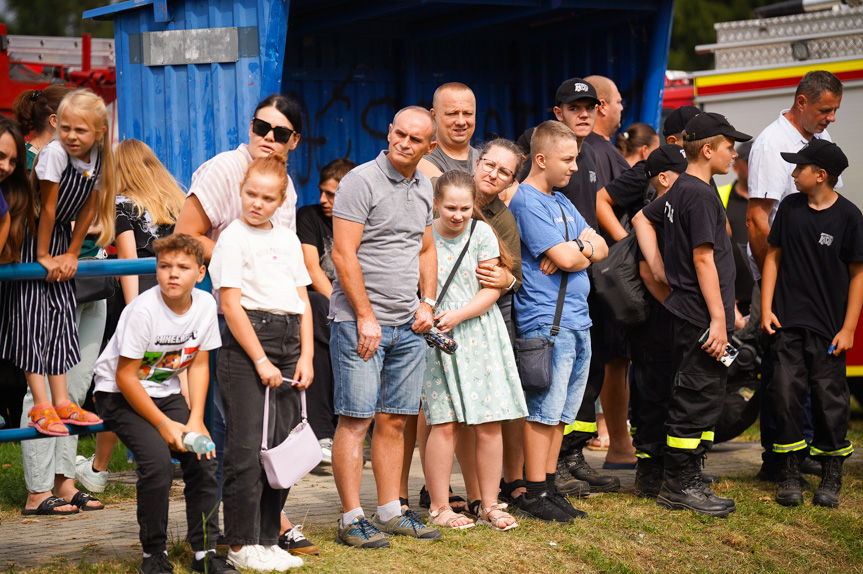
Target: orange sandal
<point>72,414</point>
<point>43,418</point>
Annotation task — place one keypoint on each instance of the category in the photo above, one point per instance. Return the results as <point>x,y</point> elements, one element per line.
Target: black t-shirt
<point>127,219</point>
<point>817,246</point>
<point>610,163</point>
<point>581,189</point>
<point>631,191</point>
<point>692,214</point>
<point>736,212</point>
<point>315,228</point>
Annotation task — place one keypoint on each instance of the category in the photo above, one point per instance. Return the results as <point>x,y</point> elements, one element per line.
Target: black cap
<point>575,89</point>
<point>820,153</point>
<point>664,158</point>
<point>708,124</point>
<point>676,120</point>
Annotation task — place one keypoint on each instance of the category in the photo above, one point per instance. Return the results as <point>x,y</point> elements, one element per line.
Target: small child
<point>545,220</point>
<point>700,271</point>
<point>814,274</point>
<point>143,404</point>
<point>478,386</point>
<point>257,266</point>
<point>73,182</point>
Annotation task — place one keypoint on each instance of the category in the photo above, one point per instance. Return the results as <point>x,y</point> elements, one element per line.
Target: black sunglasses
<point>281,134</point>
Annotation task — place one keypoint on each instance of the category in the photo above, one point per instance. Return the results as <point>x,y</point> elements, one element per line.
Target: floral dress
<point>479,383</point>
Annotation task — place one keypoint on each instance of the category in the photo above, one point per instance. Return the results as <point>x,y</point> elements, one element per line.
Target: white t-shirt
<point>216,184</point>
<point>769,174</point>
<point>265,264</point>
<point>165,342</point>
<point>53,159</point>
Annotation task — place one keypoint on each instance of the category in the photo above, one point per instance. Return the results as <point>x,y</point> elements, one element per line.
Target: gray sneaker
<point>361,534</point>
<point>408,523</point>
<point>92,480</point>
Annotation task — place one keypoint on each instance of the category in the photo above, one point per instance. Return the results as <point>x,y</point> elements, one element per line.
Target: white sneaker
<point>288,559</point>
<point>256,557</point>
<point>92,480</point>
<point>326,450</point>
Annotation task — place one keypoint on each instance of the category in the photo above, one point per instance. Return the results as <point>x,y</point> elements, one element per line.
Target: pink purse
<point>287,463</point>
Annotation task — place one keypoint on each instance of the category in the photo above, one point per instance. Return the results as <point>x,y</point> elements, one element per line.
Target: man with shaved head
<point>454,111</point>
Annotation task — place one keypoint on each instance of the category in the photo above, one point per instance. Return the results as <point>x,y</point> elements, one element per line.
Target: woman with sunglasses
<point>214,202</point>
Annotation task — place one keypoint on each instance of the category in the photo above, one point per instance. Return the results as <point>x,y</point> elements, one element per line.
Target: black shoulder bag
<point>534,356</point>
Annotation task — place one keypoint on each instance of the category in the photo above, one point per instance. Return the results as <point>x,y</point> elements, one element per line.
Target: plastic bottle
<point>196,442</point>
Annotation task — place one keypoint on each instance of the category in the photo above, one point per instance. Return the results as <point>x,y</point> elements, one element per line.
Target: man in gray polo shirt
<point>383,249</point>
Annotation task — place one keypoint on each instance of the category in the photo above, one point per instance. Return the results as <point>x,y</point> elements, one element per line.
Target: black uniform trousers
<point>652,374</point>
<point>801,364</point>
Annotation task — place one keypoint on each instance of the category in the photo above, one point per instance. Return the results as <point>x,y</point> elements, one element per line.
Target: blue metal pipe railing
<point>86,268</point>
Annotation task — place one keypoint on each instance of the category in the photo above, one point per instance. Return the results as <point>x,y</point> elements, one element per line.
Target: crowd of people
<point>439,295</point>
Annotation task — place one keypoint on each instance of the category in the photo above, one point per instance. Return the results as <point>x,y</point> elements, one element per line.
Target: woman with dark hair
<point>35,111</point>
<point>17,215</point>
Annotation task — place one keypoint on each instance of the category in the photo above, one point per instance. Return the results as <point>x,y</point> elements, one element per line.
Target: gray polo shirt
<point>395,212</point>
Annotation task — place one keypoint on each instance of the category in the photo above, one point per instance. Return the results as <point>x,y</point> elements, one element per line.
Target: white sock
<point>390,510</point>
<point>350,515</point>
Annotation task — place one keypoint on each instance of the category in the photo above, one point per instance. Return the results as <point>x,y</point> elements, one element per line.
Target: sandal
<point>446,516</point>
<point>48,507</point>
<point>493,516</point>
<point>598,443</point>
<point>45,420</point>
<point>473,508</point>
<point>82,498</point>
<point>72,414</point>
<point>506,489</point>
<point>425,500</point>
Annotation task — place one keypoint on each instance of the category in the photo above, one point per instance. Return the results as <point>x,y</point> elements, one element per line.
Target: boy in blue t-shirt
<point>811,295</point>
<point>556,245</point>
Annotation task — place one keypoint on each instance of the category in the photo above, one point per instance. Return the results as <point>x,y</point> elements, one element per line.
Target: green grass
<point>13,491</point>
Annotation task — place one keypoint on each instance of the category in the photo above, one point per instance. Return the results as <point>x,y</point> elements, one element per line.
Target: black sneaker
<point>212,563</point>
<point>561,501</point>
<point>542,508</point>
<point>294,542</point>
<point>568,484</point>
<point>581,470</point>
<point>156,564</point>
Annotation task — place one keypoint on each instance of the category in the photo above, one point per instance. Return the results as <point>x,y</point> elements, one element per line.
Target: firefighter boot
<point>708,492</point>
<point>831,482</point>
<point>648,477</point>
<point>568,484</point>
<point>682,489</point>
<point>581,470</point>
<point>789,492</point>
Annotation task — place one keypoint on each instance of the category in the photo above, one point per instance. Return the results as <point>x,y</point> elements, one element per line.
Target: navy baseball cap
<point>575,89</point>
<point>664,158</point>
<point>708,124</point>
<point>676,120</point>
<point>820,153</point>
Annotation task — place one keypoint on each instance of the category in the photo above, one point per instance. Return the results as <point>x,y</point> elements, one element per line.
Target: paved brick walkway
<point>26,542</point>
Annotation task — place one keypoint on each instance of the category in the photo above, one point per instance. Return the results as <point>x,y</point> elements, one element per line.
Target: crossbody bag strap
<point>564,279</point>
<point>265,430</point>
<point>457,263</point>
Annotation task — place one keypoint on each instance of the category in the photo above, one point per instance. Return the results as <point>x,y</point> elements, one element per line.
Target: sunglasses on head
<point>281,134</point>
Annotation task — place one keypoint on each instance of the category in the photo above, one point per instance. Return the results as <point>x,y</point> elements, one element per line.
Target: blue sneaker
<point>361,534</point>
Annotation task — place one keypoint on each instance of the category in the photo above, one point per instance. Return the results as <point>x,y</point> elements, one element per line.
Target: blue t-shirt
<point>4,207</point>
<point>541,227</point>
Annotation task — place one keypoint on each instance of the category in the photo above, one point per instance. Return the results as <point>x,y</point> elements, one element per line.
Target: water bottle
<point>196,442</point>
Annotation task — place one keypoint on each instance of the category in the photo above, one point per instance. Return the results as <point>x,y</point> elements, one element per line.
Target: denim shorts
<point>389,382</point>
<point>570,365</point>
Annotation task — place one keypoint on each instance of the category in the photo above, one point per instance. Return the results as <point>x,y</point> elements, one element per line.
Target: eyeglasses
<point>490,166</point>
<point>281,134</point>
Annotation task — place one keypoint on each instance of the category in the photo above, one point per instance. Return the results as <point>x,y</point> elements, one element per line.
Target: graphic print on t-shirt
<point>159,367</point>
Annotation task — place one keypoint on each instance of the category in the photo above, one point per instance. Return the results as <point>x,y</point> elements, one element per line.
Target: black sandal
<point>48,507</point>
<point>506,489</point>
<point>473,509</point>
<point>81,499</point>
<point>425,500</point>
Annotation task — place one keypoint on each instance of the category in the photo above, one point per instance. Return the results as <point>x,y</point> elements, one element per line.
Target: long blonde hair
<point>91,109</point>
<point>144,180</point>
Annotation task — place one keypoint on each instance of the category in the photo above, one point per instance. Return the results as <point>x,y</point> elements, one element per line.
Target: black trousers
<point>697,396</point>
<point>251,506</point>
<point>802,365</point>
<point>653,374</point>
<point>319,396</point>
<point>156,472</point>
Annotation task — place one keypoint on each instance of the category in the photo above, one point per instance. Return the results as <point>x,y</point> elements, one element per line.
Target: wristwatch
<point>579,243</point>
<point>430,302</point>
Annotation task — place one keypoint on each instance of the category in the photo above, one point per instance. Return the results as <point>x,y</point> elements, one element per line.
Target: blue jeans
<point>389,382</point>
<point>570,365</point>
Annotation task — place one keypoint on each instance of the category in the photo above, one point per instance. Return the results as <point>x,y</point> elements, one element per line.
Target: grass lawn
<point>623,534</point>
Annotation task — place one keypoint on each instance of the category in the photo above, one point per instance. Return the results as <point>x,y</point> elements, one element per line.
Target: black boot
<point>708,492</point>
<point>769,471</point>
<point>581,470</point>
<point>789,493</point>
<point>648,477</point>
<point>831,482</point>
<point>568,484</point>
<point>683,490</point>
<point>810,465</point>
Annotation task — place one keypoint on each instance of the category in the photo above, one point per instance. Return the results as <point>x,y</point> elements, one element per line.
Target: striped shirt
<point>216,184</point>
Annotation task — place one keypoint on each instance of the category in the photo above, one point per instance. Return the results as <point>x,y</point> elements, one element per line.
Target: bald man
<point>609,161</point>
<point>454,111</point>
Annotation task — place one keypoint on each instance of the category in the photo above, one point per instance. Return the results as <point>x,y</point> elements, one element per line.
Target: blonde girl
<point>478,385</point>
<point>258,268</point>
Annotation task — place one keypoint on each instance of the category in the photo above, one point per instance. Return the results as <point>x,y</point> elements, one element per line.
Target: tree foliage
<point>54,18</point>
<point>693,25</point>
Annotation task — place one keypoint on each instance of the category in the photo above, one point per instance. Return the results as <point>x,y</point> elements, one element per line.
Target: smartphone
<point>730,350</point>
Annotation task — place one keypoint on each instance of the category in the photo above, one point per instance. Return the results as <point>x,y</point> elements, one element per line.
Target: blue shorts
<point>389,382</point>
<point>570,365</point>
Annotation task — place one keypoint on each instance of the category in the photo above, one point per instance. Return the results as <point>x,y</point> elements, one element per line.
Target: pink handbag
<point>287,463</point>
